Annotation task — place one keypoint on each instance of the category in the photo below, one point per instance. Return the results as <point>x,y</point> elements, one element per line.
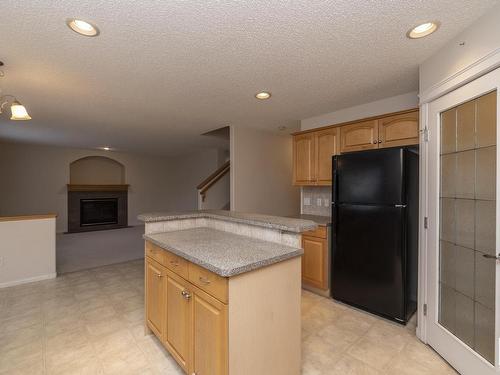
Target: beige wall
<point>34,179</point>
<point>189,171</point>
<point>261,173</point>
<point>379,107</point>
<point>96,170</point>
<point>481,40</point>
<point>27,251</point>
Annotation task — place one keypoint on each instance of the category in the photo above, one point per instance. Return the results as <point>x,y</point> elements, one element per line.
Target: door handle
<point>488,256</point>
<point>204,280</point>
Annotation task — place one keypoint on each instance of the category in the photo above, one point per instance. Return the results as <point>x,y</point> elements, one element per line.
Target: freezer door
<point>370,177</point>
<point>368,258</point>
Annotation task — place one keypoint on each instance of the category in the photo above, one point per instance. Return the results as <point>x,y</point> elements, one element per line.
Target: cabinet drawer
<point>318,232</point>
<point>209,282</point>
<point>155,252</point>
<point>176,264</point>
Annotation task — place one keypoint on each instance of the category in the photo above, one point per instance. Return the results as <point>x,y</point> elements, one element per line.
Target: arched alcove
<point>96,170</point>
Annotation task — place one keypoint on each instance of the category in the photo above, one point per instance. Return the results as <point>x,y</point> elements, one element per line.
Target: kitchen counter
<point>286,224</point>
<point>319,220</point>
<point>219,284</point>
<point>223,253</point>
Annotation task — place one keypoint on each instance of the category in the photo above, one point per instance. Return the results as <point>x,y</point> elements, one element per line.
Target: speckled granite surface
<point>320,220</point>
<point>266,221</point>
<point>224,253</point>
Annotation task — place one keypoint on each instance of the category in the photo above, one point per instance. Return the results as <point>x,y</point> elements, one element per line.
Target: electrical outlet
<point>307,201</point>
<point>318,202</point>
<point>326,202</point>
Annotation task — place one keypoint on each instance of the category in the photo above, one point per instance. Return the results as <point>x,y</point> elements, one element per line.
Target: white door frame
<point>457,353</point>
<point>481,66</point>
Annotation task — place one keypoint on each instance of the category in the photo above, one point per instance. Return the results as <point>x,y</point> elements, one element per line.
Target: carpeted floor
<point>80,251</point>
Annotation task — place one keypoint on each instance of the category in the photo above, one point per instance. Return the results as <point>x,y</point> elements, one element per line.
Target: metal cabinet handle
<point>174,263</point>
<point>204,280</point>
<point>186,295</point>
<point>379,141</point>
<point>488,256</point>
<point>375,142</point>
<point>158,275</point>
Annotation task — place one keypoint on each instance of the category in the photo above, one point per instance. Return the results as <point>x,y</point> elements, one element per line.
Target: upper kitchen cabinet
<point>359,136</point>
<point>304,159</point>
<point>399,130</point>
<point>313,157</point>
<point>327,144</point>
<point>313,150</point>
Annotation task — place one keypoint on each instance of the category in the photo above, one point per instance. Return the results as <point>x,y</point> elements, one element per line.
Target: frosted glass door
<point>467,216</point>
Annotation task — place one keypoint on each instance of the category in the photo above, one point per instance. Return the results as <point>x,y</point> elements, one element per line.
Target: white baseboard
<point>28,280</point>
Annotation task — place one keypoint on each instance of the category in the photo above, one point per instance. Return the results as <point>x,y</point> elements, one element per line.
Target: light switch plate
<point>318,202</point>
<point>326,202</point>
<point>307,201</point>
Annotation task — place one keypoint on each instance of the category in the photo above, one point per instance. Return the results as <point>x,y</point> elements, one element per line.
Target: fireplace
<point>97,207</point>
<point>98,211</point>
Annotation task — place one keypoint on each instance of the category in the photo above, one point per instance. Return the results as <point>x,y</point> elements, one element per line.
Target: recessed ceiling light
<point>263,95</point>
<point>106,148</point>
<point>82,27</point>
<point>422,30</point>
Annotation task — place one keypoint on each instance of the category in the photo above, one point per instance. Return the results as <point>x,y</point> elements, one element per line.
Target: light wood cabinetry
<point>315,258</point>
<point>304,159</point>
<point>190,322</point>
<point>189,310</point>
<point>399,130</point>
<point>312,155</point>
<point>155,292</point>
<point>358,137</point>
<point>177,319</point>
<point>210,330</point>
<point>313,150</point>
<point>327,145</point>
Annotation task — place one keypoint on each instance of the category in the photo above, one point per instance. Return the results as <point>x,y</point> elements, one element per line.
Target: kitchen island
<point>223,290</point>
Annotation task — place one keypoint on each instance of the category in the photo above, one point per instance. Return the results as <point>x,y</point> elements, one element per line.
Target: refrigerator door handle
<point>400,205</point>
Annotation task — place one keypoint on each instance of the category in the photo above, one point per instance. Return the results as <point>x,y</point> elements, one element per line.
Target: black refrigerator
<point>375,231</point>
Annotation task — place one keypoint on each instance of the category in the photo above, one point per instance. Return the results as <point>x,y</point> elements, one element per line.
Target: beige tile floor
<point>91,322</point>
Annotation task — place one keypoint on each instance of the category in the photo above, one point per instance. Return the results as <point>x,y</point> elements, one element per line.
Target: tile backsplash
<point>316,200</point>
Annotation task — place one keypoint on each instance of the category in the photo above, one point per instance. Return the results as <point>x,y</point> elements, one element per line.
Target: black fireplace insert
<point>103,211</point>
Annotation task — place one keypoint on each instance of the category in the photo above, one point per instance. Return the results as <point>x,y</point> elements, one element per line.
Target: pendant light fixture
<point>17,110</point>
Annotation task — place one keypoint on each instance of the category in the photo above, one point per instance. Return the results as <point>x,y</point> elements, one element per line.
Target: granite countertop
<point>273,222</point>
<point>224,253</point>
<point>320,220</point>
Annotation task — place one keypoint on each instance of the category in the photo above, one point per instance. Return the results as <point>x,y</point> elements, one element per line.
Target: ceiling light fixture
<point>106,148</point>
<point>17,110</point>
<point>263,95</point>
<point>422,30</point>
<point>82,27</point>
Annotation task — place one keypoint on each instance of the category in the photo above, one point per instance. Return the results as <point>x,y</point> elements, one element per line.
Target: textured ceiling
<point>163,72</point>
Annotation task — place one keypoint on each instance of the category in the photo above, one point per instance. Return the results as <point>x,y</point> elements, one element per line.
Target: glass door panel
<point>467,216</point>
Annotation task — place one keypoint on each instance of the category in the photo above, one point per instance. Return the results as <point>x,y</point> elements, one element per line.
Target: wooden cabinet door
<point>209,335</point>
<point>304,159</point>
<point>327,145</point>
<point>399,130</point>
<point>155,296</point>
<point>359,136</point>
<point>178,319</point>
<point>314,262</point>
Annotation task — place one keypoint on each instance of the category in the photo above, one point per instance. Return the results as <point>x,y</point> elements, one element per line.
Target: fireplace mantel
<point>76,187</point>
